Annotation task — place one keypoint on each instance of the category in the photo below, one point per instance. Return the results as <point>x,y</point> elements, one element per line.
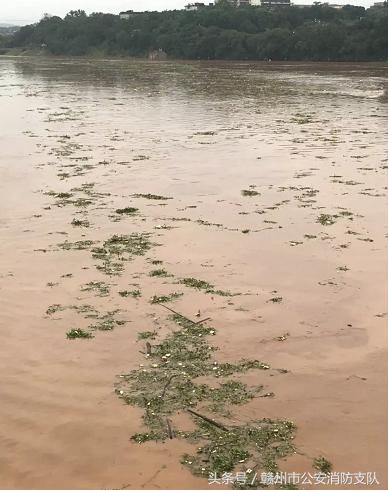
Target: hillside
<point>317,33</point>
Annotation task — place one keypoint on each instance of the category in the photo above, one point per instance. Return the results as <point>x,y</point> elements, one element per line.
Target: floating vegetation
<point>140,158</point>
<point>276,299</point>
<point>119,249</point>
<point>107,321</point>
<point>128,210</point>
<point>165,299</point>
<point>101,288</point>
<point>78,333</point>
<point>153,197</point>
<point>207,223</point>
<point>205,133</point>
<point>302,119</point>
<point>295,243</point>
<point>343,268</point>
<point>323,465</point>
<point>169,386</point>
<point>249,193</point>
<point>147,335</point>
<point>220,292</point>
<point>82,202</point>
<point>60,196</point>
<point>80,223</point>
<point>51,310</point>
<point>346,214</point>
<point>101,321</point>
<point>134,293</point>
<point>159,273</point>
<point>327,219</point>
<point>240,447</point>
<point>80,245</point>
<point>87,311</point>
<point>191,282</point>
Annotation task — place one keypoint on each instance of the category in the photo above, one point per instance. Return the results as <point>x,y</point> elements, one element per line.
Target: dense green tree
<point>319,32</point>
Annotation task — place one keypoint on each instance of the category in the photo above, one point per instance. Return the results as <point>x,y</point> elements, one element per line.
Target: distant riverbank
<point>316,33</point>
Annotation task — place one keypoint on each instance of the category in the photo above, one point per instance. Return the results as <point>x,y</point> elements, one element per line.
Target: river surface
<point>303,249</point>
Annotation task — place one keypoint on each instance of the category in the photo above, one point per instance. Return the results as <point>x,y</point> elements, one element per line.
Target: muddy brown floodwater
<point>302,251</point>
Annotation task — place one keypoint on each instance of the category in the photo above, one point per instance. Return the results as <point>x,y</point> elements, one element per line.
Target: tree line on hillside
<point>314,33</point>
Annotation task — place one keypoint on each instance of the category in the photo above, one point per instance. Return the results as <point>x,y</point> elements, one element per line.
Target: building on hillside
<point>128,14</point>
<point>195,6</point>
<point>331,5</point>
<point>276,3</point>
<point>379,5</point>
<point>238,3</point>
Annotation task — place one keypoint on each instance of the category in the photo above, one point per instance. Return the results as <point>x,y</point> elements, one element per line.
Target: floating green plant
<point>78,333</point>
<point>153,197</point>
<point>147,335</point>
<point>159,273</point>
<point>327,219</point>
<point>171,383</point>
<point>323,465</point>
<point>196,283</point>
<point>101,288</point>
<point>249,193</point>
<point>127,210</point>
<point>80,223</point>
<point>135,293</point>
<point>165,299</point>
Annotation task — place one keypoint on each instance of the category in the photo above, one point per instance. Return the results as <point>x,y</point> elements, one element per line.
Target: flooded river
<point>255,195</point>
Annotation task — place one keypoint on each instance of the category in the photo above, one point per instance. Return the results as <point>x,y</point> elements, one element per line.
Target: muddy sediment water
<point>124,184</point>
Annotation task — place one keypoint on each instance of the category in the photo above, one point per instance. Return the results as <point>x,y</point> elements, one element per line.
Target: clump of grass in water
<point>52,309</point>
<point>165,299</point>
<point>136,293</point>
<point>80,245</point>
<point>80,223</point>
<point>147,335</point>
<point>249,193</point>
<point>323,465</point>
<point>153,197</point>
<point>119,249</point>
<point>128,210</point>
<point>223,451</point>
<point>102,289</point>
<point>102,321</point>
<point>191,282</point>
<point>159,273</point>
<point>107,321</point>
<point>78,333</point>
<point>327,219</point>
<point>168,386</point>
<point>276,299</point>
<point>156,262</point>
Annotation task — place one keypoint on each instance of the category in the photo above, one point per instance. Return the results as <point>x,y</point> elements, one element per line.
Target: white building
<point>128,14</point>
<point>195,6</point>
<point>240,3</point>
